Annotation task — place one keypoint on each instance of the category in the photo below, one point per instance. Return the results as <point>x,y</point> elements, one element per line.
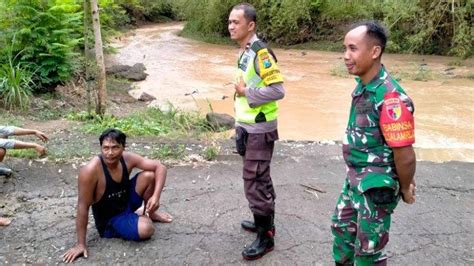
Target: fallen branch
<point>312,193</point>
<point>313,188</point>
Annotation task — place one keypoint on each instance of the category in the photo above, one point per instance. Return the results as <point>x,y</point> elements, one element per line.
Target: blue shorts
<point>125,224</point>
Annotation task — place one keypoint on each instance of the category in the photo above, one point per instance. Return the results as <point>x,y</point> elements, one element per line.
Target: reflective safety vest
<point>246,70</point>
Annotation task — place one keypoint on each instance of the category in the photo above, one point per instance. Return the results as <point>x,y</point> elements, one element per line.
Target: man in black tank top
<point>105,184</point>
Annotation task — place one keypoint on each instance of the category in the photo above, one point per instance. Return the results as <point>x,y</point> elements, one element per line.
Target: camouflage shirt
<point>368,157</point>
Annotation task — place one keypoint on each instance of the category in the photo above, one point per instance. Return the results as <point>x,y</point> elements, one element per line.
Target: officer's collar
<point>251,41</point>
<point>373,84</point>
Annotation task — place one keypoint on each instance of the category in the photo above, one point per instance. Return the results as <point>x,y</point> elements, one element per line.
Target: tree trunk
<point>99,55</point>
<point>87,56</point>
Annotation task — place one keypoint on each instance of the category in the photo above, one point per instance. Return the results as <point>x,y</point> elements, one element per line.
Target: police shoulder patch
<point>269,71</point>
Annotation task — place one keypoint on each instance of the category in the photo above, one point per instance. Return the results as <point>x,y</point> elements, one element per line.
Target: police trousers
<point>360,227</point>
<point>258,184</point>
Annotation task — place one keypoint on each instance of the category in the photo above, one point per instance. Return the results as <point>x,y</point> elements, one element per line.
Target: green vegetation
<point>424,27</point>
<point>168,151</point>
<point>45,36</point>
<point>210,153</point>
<point>8,118</point>
<point>151,122</point>
<point>27,154</point>
<point>16,84</point>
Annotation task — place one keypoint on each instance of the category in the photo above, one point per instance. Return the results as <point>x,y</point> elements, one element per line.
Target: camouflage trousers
<point>360,228</point>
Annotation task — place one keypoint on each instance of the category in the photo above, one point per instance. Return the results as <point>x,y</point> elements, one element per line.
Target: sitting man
<point>105,185</point>
<point>5,143</point>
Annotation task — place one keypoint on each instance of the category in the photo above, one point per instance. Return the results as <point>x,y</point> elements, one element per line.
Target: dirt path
<point>207,202</point>
<point>191,75</point>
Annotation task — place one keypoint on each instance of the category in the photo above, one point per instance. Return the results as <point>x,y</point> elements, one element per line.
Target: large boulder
<point>220,121</point>
<point>145,97</point>
<point>132,73</point>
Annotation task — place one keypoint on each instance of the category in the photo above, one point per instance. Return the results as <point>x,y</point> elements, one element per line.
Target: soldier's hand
<point>408,195</point>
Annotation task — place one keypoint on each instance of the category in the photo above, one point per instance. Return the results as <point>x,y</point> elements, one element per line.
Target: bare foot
<point>162,217</point>
<point>4,221</point>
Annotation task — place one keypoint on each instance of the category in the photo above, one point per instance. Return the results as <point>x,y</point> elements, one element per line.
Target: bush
<point>47,34</point>
<point>16,84</point>
<point>426,27</point>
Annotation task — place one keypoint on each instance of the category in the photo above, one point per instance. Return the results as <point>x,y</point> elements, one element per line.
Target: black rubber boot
<point>264,242</point>
<point>250,226</point>
<point>5,171</point>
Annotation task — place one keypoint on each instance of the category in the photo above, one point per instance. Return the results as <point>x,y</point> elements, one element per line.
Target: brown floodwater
<point>194,75</point>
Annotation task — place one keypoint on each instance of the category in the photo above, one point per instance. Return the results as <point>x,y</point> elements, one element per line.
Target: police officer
<point>258,86</point>
<point>377,149</point>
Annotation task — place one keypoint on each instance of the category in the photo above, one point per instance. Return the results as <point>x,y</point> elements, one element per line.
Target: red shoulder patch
<point>397,122</point>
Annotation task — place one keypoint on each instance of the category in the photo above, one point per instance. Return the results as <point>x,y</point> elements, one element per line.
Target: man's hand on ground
<point>74,253</point>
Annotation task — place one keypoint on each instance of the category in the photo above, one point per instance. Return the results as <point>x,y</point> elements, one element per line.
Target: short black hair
<point>113,134</point>
<point>250,13</point>
<point>375,31</point>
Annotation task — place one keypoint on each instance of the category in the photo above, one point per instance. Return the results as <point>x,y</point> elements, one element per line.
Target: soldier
<point>259,85</point>
<point>377,149</point>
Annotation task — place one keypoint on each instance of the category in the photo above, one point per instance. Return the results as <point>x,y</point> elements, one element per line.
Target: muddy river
<point>196,75</point>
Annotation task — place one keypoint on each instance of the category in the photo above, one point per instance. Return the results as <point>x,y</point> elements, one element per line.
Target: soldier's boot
<point>250,226</point>
<point>7,172</point>
<point>264,242</point>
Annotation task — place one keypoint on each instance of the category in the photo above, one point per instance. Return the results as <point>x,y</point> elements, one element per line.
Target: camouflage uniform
<point>361,223</point>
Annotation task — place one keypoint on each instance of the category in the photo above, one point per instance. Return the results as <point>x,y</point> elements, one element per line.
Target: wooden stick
<point>313,188</point>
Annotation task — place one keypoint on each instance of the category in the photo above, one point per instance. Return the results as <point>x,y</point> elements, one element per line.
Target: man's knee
<point>145,228</point>
<point>145,180</point>
<point>148,176</point>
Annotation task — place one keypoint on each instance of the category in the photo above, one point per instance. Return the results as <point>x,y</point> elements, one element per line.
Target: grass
<point>10,119</point>
<point>151,122</point>
<point>23,153</point>
<point>417,72</point>
<point>168,151</point>
<point>210,153</point>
